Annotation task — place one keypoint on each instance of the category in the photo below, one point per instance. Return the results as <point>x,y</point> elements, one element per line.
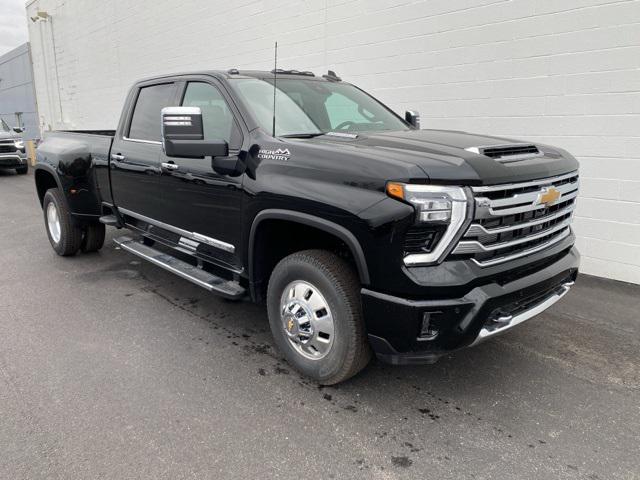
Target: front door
<point>135,154</point>
<point>197,199</point>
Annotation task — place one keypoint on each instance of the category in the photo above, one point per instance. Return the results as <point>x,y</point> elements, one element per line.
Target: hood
<point>8,135</point>
<point>444,158</point>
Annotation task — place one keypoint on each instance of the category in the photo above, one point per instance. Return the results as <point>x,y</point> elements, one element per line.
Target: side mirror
<point>413,118</point>
<point>231,166</point>
<point>18,129</point>
<point>182,134</point>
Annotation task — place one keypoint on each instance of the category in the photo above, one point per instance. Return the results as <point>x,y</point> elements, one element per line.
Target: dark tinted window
<point>145,123</point>
<point>217,118</point>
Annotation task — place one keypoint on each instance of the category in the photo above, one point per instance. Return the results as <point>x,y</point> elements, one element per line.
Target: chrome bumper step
<point>202,278</point>
<point>507,322</point>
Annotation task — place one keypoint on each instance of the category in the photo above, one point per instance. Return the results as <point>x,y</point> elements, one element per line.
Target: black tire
<point>22,170</point>
<point>70,234</point>
<point>93,238</point>
<point>338,283</point>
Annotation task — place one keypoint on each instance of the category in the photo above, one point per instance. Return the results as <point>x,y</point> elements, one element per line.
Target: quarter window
<point>145,122</point>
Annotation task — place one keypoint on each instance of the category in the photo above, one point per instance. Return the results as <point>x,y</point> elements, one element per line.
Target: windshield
<point>4,127</point>
<point>308,107</point>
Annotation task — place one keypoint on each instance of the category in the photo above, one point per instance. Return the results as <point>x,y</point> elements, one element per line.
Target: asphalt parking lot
<point>111,368</point>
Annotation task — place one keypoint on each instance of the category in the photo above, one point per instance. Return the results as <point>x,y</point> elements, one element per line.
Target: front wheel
<point>22,170</point>
<point>315,314</point>
<point>64,235</point>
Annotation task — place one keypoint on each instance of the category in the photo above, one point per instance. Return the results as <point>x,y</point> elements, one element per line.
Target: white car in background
<point>12,150</point>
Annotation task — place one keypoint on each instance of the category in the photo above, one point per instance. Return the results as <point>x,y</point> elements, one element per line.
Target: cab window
<point>145,122</point>
<point>217,118</point>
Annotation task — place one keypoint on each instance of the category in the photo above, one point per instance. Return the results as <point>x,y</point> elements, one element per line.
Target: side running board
<point>202,278</point>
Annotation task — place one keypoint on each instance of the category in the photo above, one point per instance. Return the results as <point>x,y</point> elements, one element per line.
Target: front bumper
<point>13,159</point>
<point>395,324</point>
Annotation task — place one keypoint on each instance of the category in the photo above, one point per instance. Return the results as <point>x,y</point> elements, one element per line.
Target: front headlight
<point>19,144</point>
<point>436,205</point>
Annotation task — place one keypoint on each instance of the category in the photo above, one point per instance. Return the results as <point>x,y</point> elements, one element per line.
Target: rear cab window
<point>145,121</point>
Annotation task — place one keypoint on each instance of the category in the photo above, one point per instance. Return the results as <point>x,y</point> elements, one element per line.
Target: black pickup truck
<point>361,232</point>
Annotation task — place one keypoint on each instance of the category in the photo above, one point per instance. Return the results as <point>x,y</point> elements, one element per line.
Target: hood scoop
<point>507,153</point>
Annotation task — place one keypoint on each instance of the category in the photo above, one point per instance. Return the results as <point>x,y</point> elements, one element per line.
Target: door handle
<point>169,166</point>
<point>117,157</point>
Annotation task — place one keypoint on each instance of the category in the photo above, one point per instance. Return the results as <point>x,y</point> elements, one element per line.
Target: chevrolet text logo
<point>548,196</point>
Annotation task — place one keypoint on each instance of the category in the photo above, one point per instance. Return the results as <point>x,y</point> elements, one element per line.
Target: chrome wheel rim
<point>307,320</point>
<point>53,222</point>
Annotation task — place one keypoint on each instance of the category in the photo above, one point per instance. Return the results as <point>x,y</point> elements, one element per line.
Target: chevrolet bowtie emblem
<point>548,196</point>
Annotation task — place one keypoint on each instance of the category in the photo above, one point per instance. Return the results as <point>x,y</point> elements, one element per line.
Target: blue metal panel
<point>17,92</point>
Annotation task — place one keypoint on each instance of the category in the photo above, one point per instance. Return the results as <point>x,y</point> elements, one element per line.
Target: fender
<point>64,186</point>
<point>320,223</point>
<point>49,169</point>
<point>56,178</point>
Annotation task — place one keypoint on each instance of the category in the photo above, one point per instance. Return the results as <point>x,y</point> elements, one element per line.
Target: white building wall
<point>560,72</point>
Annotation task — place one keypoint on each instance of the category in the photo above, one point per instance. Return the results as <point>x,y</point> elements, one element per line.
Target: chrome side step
<point>110,220</point>
<point>202,278</point>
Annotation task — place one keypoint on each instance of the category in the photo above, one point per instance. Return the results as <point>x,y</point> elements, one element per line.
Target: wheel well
<point>275,239</point>
<point>44,181</point>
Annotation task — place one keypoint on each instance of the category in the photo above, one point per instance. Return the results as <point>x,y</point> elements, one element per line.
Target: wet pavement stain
<point>404,462</point>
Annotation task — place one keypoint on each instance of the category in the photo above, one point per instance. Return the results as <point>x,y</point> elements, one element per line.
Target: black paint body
<point>333,184</point>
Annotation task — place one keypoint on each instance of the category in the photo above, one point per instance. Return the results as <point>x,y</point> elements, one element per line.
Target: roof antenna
<point>275,77</point>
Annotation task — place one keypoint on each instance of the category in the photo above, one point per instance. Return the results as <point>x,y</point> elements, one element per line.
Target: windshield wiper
<point>303,135</point>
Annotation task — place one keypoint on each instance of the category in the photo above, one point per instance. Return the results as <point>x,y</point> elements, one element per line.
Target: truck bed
<point>104,133</point>
<point>80,159</point>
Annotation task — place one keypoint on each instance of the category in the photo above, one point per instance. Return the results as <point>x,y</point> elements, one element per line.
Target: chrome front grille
<point>515,220</point>
<point>7,147</point>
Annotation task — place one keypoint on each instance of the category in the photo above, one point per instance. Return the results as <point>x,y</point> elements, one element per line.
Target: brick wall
<point>560,72</point>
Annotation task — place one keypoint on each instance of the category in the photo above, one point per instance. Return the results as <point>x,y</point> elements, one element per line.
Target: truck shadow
<point>509,392</point>
<point>532,358</point>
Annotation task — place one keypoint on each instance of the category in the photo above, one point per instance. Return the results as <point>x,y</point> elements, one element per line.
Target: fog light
<point>428,331</point>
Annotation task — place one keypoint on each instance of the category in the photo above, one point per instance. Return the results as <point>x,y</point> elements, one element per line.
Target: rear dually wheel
<point>64,235</point>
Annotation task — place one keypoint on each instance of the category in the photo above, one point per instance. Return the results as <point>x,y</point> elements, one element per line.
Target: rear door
<point>135,154</point>
<point>196,198</point>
